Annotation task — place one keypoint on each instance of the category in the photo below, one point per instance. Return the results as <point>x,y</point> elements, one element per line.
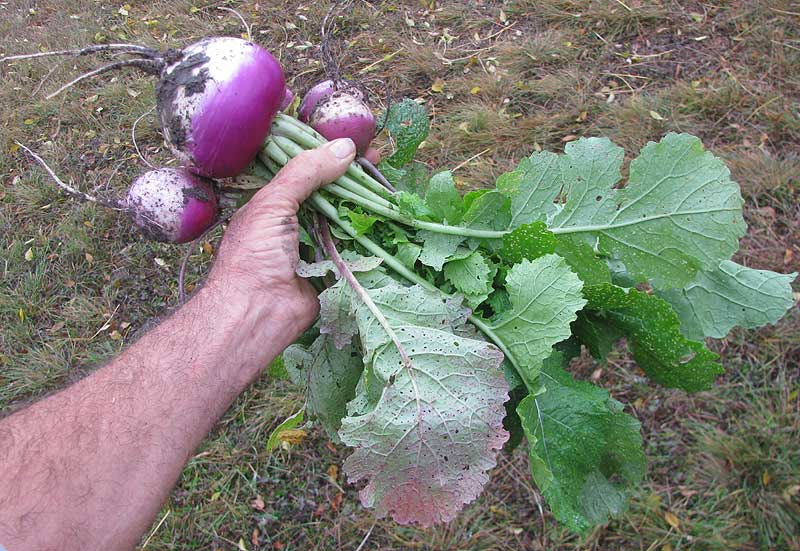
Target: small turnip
<point>172,204</point>
<point>343,114</point>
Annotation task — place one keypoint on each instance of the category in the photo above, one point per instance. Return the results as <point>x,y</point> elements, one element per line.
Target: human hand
<point>259,252</point>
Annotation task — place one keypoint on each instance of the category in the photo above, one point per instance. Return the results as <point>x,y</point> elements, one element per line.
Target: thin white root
<point>146,65</point>
<point>242,19</point>
<point>133,137</point>
<point>68,188</point>
<point>188,253</point>
<point>46,78</point>
<point>125,48</point>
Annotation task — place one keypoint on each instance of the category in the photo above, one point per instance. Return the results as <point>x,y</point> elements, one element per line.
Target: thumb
<point>303,174</point>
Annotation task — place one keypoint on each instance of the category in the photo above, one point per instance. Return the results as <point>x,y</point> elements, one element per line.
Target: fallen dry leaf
<point>672,520</point>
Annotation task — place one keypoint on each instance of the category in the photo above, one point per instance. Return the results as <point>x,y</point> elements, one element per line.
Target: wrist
<point>250,327</point>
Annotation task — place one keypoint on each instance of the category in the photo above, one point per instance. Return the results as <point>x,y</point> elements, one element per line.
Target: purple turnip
<point>312,97</point>
<point>343,114</point>
<point>288,98</point>
<point>172,204</point>
<point>216,102</point>
<point>321,91</point>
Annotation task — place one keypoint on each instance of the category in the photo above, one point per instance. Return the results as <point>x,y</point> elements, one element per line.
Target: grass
<point>78,282</point>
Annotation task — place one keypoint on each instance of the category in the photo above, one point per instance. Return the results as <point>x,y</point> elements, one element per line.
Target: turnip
<point>216,103</point>
<point>312,97</point>
<point>168,204</point>
<point>288,98</point>
<point>216,98</point>
<point>322,90</point>
<point>344,114</point>
<point>172,204</point>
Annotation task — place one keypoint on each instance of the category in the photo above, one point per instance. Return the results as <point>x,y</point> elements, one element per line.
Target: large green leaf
<point>732,295</point>
<point>678,213</point>
<point>330,375</point>
<point>532,187</point>
<point>652,330</point>
<point>408,125</point>
<point>425,442</point>
<point>545,296</point>
<point>585,452</point>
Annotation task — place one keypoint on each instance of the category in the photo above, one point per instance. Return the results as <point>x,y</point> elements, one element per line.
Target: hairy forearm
<point>110,447</point>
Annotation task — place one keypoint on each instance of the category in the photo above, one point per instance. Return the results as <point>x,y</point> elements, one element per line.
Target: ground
<point>501,79</point>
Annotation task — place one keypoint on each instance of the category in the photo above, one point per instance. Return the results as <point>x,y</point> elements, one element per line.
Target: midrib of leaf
<point>347,274</point>
<point>605,227</point>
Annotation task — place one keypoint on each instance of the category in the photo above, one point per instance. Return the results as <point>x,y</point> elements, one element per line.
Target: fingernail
<point>342,148</point>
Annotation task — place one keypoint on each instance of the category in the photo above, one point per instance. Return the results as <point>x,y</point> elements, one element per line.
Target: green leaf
<point>545,296</point>
<point>470,197</point>
<point>412,178</point>
<point>277,370</point>
<point>678,213</point>
<point>582,259</point>
<point>360,221</point>
<point>652,330</point>
<point>305,239</point>
<point>291,422</point>
<point>330,376</point>
<point>585,452</point>
<point>471,275</point>
<point>597,336</point>
<point>425,441</point>
<point>437,248</point>
<point>489,211</point>
<point>408,253</point>
<point>499,301</point>
<point>443,198</point>
<point>527,242</point>
<point>414,206</point>
<point>732,295</point>
<point>408,126</point>
<point>532,187</point>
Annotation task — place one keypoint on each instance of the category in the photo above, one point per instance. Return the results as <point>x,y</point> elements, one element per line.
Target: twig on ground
<point>46,77</point>
<point>367,535</point>
<point>464,163</point>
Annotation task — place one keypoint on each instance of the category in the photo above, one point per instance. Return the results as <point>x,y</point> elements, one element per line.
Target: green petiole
<point>329,211</point>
